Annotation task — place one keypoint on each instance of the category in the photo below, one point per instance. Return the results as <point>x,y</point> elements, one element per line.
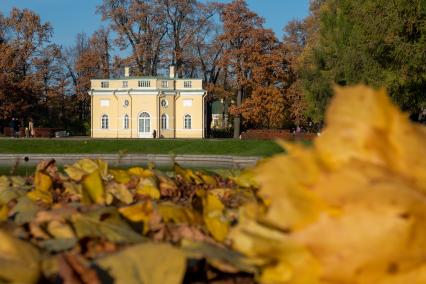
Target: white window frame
<point>164,124</point>
<point>187,84</point>
<point>125,84</point>
<point>187,124</point>
<point>126,121</point>
<point>164,84</point>
<point>105,84</point>
<point>104,121</point>
<point>147,118</point>
<point>144,83</point>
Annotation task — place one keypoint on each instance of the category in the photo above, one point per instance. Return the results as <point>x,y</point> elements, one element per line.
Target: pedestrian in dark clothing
<point>16,128</point>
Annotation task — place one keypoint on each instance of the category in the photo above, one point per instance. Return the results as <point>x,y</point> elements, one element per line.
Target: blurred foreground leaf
<point>148,263</point>
<point>19,260</point>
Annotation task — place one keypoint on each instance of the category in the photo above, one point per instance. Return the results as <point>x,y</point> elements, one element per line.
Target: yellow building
<point>133,107</point>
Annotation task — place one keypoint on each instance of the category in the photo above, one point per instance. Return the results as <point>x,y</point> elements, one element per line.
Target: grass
<point>160,146</point>
<point>23,170</point>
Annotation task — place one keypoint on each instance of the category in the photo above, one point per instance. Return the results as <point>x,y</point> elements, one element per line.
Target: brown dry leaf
<point>74,270</point>
<point>167,186</point>
<point>355,201</point>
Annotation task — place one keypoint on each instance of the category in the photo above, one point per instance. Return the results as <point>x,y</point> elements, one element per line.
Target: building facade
<point>135,107</point>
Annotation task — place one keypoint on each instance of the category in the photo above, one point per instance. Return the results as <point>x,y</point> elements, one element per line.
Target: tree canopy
<point>265,81</point>
<point>376,42</point>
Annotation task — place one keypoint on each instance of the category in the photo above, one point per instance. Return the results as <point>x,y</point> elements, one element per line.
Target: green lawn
<point>159,146</point>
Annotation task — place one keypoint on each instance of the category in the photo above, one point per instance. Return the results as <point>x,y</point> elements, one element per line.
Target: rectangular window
<point>187,121</point>
<point>126,121</point>
<point>187,84</point>
<point>144,84</point>
<point>164,84</point>
<point>187,103</point>
<point>104,84</point>
<point>125,84</point>
<point>104,103</point>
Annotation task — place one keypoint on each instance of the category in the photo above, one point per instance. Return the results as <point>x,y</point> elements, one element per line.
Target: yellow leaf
<point>82,168</point>
<point>92,184</point>
<point>148,187</point>
<point>282,259</point>
<point>19,260</point>
<point>178,214</point>
<point>140,212</point>
<point>354,203</point>
<point>120,192</point>
<point>60,230</point>
<point>213,216</point>
<point>41,192</point>
<point>245,179</point>
<point>120,176</point>
<point>4,213</point>
<point>103,168</point>
<point>140,172</point>
<point>42,181</point>
<point>209,180</point>
<point>187,174</point>
<point>39,195</point>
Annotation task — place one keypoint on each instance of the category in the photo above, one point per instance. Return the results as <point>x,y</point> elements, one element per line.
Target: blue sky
<point>69,17</point>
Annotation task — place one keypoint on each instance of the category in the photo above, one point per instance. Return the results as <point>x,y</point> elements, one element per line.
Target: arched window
<point>164,121</point>
<point>144,123</point>
<point>187,121</point>
<point>126,121</point>
<point>104,121</point>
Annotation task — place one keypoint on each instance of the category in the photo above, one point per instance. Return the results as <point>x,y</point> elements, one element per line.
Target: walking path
<point>160,160</point>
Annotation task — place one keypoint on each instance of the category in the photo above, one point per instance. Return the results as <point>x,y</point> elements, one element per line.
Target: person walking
<point>31,127</point>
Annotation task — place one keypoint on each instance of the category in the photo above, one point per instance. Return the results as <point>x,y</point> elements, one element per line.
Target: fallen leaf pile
<point>96,224</point>
<point>349,209</point>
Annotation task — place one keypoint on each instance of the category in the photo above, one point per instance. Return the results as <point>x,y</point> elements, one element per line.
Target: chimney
<point>172,72</point>
<point>126,71</point>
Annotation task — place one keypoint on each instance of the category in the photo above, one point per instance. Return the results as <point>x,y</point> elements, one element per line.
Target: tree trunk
<point>237,119</point>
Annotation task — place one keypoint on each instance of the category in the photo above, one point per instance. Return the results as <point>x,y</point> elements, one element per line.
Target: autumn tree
<point>23,41</point>
<point>89,58</point>
<point>251,54</point>
<point>140,26</point>
<point>185,20</point>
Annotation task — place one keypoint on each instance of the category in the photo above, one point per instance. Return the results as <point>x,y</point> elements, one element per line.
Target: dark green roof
<point>218,107</point>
